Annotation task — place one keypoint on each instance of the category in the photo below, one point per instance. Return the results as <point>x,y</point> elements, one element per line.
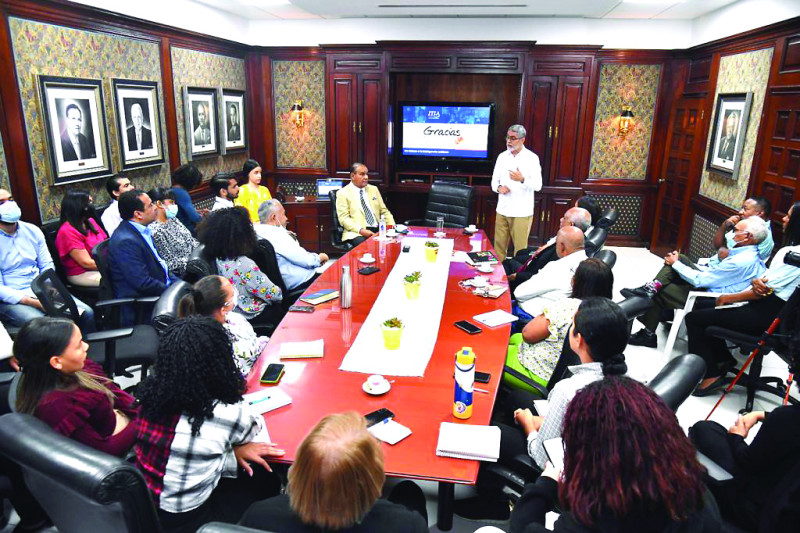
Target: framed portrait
<point>232,121</point>
<point>728,134</point>
<point>200,117</point>
<point>75,128</point>
<point>138,123</point>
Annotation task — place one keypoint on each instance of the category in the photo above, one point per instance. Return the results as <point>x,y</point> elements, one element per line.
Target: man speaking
<point>517,174</point>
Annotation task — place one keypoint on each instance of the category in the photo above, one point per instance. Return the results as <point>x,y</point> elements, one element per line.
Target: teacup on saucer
<point>486,268</point>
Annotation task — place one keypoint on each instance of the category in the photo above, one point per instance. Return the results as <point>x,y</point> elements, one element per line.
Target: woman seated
<point>71,393</point>
<point>215,297</point>
<point>230,239</point>
<point>172,240</point>
<point>628,467</point>
<point>335,483</point>
<point>78,234</point>
<point>543,337</point>
<point>194,429</point>
<point>184,179</point>
<point>252,194</point>
<point>765,299</point>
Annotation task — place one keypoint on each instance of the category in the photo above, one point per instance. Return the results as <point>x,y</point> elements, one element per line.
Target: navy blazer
<point>135,270</point>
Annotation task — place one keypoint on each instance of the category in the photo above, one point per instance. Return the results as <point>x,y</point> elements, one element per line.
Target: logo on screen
<point>434,115</point>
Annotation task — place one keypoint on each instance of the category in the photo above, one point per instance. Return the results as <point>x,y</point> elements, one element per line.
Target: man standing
<point>297,266</point>
<point>234,133</point>
<point>202,134</point>
<point>115,185</point>
<point>226,190</point>
<point>74,144</point>
<point>139,137</point>
<point>517,174</point>
<point>359,207</point>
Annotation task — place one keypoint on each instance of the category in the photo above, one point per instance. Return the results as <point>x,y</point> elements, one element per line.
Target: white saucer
<point>471,230</point>
<point>392,233</point>
<point>378,391</point>
<point>485,270</point>
<point>366,261</point>
<point>439,233</point>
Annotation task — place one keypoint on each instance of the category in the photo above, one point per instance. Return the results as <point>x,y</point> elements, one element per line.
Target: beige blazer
<point>351,215</point>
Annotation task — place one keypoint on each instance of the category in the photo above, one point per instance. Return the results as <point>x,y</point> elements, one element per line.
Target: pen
<point>265,398</point>
<point>476,389</point>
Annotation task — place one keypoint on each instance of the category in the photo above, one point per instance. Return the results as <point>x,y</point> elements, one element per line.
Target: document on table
<point>498,317</point>
<point>267,399</point>
<point>325,266</point>
<point>465,441</point>
<point>302,350</point>
<point>389,431</point>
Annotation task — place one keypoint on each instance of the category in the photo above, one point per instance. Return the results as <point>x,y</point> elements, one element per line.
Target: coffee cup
<point>486,268</point>
<point>367,257</point>
<point>472,227</point>
<point>479,281</point>
<point>375,382</point>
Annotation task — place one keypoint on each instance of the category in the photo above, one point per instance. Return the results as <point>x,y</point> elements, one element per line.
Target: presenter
<point>517,174</point>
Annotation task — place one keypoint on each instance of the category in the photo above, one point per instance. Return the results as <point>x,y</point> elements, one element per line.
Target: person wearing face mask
<point>23,256</point>
<point>173,241</point>
<point>758,206</point>
<point>252,194</point>
<point>78,234</point>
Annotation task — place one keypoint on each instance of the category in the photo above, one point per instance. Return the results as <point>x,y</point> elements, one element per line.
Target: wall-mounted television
<point>445,132</point>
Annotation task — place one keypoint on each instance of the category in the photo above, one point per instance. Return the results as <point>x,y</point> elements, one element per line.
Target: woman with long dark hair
<point>628,467</point>
<point>765,298</point>
<point>173,241</point>
<point>184,179</point>
<point>70,392</point>
<point>77,235</point>
<point>195,427</point>
<point>252,194</point>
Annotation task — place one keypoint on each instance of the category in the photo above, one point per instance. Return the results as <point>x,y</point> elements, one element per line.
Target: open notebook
<point>481,443</point>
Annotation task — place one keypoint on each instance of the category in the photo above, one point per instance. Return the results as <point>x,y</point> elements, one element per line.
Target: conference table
<point>318,388</point>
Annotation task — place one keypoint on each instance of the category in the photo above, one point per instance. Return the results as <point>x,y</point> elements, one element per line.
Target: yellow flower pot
<point>391,337</point>
<point>431,254</point>
<point>412,290</point>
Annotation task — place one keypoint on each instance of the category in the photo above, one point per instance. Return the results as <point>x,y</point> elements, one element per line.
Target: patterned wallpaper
<point>299,80</point>
<point>739,73</point>
<point>614,156</point>
<point>3,169</point>
<point>59,51</point>
<point>202,69</point>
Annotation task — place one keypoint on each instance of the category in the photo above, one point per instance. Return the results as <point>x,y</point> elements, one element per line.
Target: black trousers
<point>752,318</point>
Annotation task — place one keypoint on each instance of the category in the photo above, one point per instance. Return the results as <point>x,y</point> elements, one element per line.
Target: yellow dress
<point>251,201</point>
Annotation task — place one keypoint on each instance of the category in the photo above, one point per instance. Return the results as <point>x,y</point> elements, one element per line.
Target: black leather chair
<point>269,265</point>
<point>449,200</point>
<point>634,307</point>
<point>608,257</point>
<point>594,240</point>
<point>199,265</point>
<point>80,488</point>
<point>607,218</point>
<point>678,379</point>
<point>337,229</point>
<point>165,312</point>
<point>221,527</point>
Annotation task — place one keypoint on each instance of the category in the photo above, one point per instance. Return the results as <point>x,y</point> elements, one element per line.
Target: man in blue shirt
<point>23,256</point>
<point>757,206</point>
<point>671,286</point>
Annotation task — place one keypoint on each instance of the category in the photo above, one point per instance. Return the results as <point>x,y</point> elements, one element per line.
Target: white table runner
<point>421,317</point>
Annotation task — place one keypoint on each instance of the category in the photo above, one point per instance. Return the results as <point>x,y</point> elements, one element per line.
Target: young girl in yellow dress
<point>252,194</point>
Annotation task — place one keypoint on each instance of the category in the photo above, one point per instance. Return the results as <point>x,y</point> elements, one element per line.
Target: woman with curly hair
<point>70,392</point>
<point>77,235</point>
<point>628,467</point>
<point>215,297</point>
<point>173,241</point>
<point>229,237</point>
<point>195,427</point>
<point>252,194</point>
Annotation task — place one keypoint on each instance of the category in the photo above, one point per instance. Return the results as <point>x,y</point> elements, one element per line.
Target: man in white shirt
<point>554,281</point>
<point>517,174</point>
<point>115,185</point>
<point>297,266</point>
<point>226,190</point>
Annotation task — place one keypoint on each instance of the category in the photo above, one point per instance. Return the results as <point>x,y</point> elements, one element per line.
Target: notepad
<point>389,431</point>
<point>498,317</point>
<point>267,400</point>
<point>302,350</point>
<point>319,297</point>
<point>464,441</point>
<point>485,256</point>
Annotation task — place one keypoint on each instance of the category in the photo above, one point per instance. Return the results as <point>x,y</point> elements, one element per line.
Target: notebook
<point>486,256</point>
<point>498,317</point>
<point>481,443</point>
<point>302,350</point>
<point>267,400</point>
<point>319,297</point>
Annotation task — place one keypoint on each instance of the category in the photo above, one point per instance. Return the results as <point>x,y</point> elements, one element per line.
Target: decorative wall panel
<point>299,80</point>
<point>4,184</point>
<point>739,73</point>
<point>202,69</point>
<point>701,239</point>
<point>630,212</point>
<point>624,157</point>
<point>59,51</point>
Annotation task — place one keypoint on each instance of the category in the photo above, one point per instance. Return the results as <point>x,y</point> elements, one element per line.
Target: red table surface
<point>419,403</point>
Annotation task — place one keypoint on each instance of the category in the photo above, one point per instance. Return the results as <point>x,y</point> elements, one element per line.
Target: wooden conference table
<point>319,388</point>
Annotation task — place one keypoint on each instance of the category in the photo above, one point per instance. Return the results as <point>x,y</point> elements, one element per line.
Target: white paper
<point>542,407</point>
<point>267,399</point>
<point>465,441</point>
<point>325,266</point>
<point>302,349</point>
<point>263,433</point>
<point>498,317</point>
<point>389,431</point>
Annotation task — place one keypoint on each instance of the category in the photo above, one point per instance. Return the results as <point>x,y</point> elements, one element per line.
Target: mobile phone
<point>302,308</point>
<point>482,377</point>
<point>378,416</point>
<point>406,247</point>
<point>469,327</point>
<point>272,374</point>
<point>554,448</point>
<point>366,271</point>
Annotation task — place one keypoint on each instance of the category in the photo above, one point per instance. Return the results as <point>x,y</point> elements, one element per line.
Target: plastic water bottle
<point>345,289</point>
<point>465,380</point>
<point>382,228</point>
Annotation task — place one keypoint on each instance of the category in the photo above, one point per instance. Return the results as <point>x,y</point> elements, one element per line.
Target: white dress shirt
<point>111,218</point>
<point>518,202</point>
<point>295,263</point>
<point>551,283</point>
<point>221,203</point>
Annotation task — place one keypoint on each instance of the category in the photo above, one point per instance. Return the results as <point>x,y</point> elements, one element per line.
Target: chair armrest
<point>526,380</point>
<point>108,335</point>
<point>115,302</point>
<point>694,295</point>
<point>414,222</point>
<point>219,527</point>
<point>715,472</point>
<point>526,466</point>
<point>735,337</point>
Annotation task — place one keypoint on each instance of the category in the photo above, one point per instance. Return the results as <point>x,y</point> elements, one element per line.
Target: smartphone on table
<point>272,374</point>
<point>467,326</point>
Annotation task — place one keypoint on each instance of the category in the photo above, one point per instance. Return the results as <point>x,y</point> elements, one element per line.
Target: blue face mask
<point>10,212</point>
<point>171,211</point>
<point>729,242</point>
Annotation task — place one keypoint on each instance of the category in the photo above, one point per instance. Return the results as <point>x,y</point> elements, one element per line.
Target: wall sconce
<point>625,119</point>
<point>298,114</point>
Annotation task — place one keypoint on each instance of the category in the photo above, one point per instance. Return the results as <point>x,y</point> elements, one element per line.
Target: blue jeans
<point>17,315</point>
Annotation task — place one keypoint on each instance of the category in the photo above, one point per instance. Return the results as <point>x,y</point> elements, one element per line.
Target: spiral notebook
<point>464,441</point>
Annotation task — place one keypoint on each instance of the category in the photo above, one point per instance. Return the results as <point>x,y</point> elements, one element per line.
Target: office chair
<point>449,200</point>
<point>609,257</point>
<point>337,229</point>
<point>199,265</point>
<point>221,527</point>
<point>607,218</point>
<point>594,240</point>
<point>80,488</point>
<point>165,312</point>
<point>269,265</point>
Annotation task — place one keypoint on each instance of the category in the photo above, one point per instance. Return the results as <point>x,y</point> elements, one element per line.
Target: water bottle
<point>345,289</point>
<point>382,228</point>
<point>465,379</point>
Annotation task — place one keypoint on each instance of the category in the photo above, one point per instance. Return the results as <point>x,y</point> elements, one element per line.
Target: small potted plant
<point>392,331</point>
<point>411,283</point>
<point>431,251</point>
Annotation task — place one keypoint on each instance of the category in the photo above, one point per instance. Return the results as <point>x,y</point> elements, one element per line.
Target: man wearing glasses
<point>517,174</point>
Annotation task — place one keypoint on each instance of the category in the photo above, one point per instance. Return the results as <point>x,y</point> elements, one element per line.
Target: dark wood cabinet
<point>312,222</point>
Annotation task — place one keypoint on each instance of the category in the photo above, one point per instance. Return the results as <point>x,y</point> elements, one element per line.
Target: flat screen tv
<point>445,131</point>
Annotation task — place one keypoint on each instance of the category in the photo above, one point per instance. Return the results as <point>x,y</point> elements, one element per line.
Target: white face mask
<point>10,212</point>
<point>171,211</point>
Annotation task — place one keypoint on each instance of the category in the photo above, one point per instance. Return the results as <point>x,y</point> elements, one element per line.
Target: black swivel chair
<point>609,257</point>
<point>337,229</point>
<point>165,312</point>
<point>269,265</point>
<point>80,488</point>
<point>449,200</point>
<point>594,240</point>
<point>607,218</point>
<point>221,527</point>
<point>199,265</point>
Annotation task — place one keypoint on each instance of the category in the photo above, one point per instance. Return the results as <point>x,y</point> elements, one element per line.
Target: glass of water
<point>439,224</point>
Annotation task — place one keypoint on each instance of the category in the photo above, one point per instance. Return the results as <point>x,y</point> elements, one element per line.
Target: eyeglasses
<point>510,138</point>
<point>232,302</point>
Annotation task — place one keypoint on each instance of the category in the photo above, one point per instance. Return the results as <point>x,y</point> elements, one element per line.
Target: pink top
<point>68,239</point>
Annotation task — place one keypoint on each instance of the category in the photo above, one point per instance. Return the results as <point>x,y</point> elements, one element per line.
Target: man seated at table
<point>226,189</point>
<point>297,266</point>
<point>554,281</point>
<point>359,207</point>
<point>723,239</point>
<point>135,267</point>
<point>679,275</point>
<point>534,260</point>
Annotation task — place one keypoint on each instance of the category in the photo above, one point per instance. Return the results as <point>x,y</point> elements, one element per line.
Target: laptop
<point>324,186</point>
